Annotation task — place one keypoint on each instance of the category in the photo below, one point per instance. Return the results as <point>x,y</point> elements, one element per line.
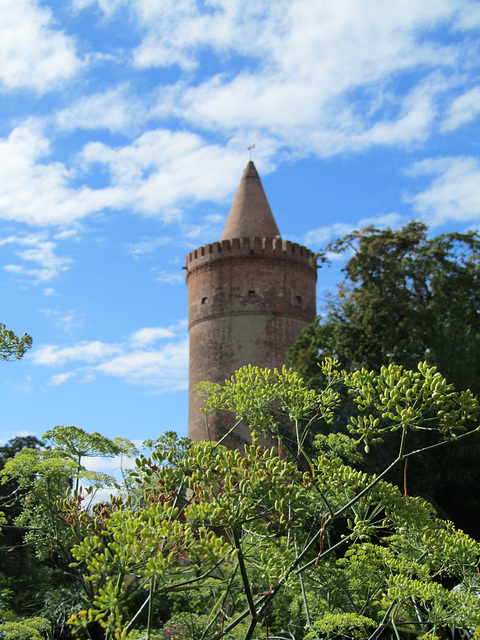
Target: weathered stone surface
<point>248,298</point>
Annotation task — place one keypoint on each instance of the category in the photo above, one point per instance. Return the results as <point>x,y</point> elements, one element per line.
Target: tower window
<point>204,300</point>
<point>299,299</point>
<point>251,294</point>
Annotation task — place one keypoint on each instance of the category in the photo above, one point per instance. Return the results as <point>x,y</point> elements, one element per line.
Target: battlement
<point>249,247</point>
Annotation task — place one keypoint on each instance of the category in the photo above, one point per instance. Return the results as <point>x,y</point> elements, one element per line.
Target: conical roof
<point>250,215</point>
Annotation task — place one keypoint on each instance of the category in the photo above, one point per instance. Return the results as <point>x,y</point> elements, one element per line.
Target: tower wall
<point>248,298</point>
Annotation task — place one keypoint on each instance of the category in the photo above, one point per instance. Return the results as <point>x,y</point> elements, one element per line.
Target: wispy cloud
<point>153,357</point>
<point>336,60</point>
<point>39,250</point>
<point>61,378</point>
<point>147,247</point>
<point>164,368</point>
<point>318,238</point>
<point>90,352</point>
<point>463,109</point>
<point>33,52</point>
<point>454,192</point>
<point>157,173</point>
<point>116,109</point>
<point>66,321</point>
<point>144,337</point>
<point>162,170</point>
<point>41,193</point>
<point>305,78</point>
<point>170,277</point>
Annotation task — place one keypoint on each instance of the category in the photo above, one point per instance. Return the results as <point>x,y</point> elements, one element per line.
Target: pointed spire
<point>250,215</point>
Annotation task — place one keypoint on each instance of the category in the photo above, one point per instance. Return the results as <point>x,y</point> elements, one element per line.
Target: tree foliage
<point>405,298</point>
<point>52,476</point>
<point>13,347</point>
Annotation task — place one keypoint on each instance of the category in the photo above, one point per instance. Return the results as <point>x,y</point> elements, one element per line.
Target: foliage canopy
<point>13,347</point>
<point>408,297</point>
<point>405,298</point>
<point>218,543</point>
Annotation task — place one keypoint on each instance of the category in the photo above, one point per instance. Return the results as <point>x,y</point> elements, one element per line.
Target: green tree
<point>39,521</point>
<point>19,569</point>
<point>406,298</point>
<point>11,346</point>
<point>48,476</point>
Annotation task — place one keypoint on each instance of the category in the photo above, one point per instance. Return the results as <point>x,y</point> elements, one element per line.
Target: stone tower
<point>249,296</point>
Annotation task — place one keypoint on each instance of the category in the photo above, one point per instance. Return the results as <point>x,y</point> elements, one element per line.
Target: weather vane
<point>252,146</point>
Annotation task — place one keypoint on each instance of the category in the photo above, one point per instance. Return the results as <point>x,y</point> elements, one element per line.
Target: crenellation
<point>249,296</point>
<point>240,247</point>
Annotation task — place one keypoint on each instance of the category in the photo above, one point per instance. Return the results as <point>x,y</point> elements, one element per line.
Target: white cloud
<point>41,194</point>
<point>67,321</point>
<point>89,352</point>
<point>116,109</point>
<point>108,465</point>
<point>162,368</point>
<point>169,277</point>
<point>146,247</point>
<point>303,78</point>
<point>454,192</point>
<point>107,6</point>
<point>382,221</point>
<point>294,36</point>
<point>463,109</point>
<point>143,337</point>
<point>162,169</point>
<point>321,236</point>
<point>317,77</point>
<point>33,53</point>
<point>40,250</point>
<point>60,378</point>
<point>157,173</point>
<point>10,435</point>
<point>165,369</point>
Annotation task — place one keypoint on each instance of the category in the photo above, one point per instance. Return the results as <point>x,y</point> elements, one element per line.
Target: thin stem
<point>441,444</point>
<point>243,571</point>
<point>151,591</point>
<point>219,605</point>
<point>367,488</point>
<point>186,583</point>
<point>304,594</point>
<point>226,435</point>
<point>383,623</point>
<point>138,612</point>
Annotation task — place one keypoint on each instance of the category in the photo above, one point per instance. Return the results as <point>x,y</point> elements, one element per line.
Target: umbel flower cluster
<point>292,541</point>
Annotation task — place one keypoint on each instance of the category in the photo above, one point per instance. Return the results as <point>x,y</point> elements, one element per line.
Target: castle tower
<point>249,296</point>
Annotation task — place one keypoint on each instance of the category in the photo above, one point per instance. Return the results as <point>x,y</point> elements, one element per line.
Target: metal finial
<point>252,146</point>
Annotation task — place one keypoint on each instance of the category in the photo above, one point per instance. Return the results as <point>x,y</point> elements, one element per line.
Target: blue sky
<point>123,136</point>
